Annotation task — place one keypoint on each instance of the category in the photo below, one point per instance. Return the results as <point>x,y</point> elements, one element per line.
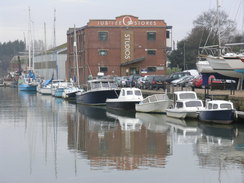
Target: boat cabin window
<point>153,98</point>
<point>105,84</point>
<point>137,92</point>
<point>113,85</point>
<point>225,106</point>
<point>210,106</point>
<point>187,96</point>
<point>129,92</point>
<point>123,92</point>
<point>215,106</point>
<point>146,100</point>
<point>95,85</point>
<point>194,104</point>
<point>179,104</point>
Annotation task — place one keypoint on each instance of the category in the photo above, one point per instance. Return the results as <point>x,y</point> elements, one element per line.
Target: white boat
<point>185,95</point>
<point>127,99</point>
<point>157,103</point>
<point>185,108</point>
<point>70,92</point>
<point>204,67</point>
<point>46,90</point>
<point>54,85</point>
<point>218,111</point>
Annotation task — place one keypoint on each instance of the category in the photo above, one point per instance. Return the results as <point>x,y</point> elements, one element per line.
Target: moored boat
<point>98,91</point>
<point>218,111</point>
<point>27,82</point>
<point>157,103</point>
<point>187,105</point>
<point>127,99</point>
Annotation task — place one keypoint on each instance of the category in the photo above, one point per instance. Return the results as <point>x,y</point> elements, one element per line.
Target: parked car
<point>117,80</point>
<point>123,81</point>
<point>154,82</point>
<point>131,82</point>
<point>139,82</point>
<point>183,80</point>
<point>176,75</point>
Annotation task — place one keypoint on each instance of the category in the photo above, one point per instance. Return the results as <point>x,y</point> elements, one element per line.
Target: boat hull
<point>155,107</point>
<point>26,87</point>
<point>122,105</point>
<point>176,114</point>
<point>217,116</point>
<point>59,92</point>
<point>98,97</point>
<point>45,91</point>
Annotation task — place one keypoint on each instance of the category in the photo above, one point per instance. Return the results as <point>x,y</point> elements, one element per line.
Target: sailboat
<point>27,79</point>
<point>70,92</point>
<point>220,59</point>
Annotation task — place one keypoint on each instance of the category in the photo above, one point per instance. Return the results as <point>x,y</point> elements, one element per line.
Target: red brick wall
<point>89,46</point>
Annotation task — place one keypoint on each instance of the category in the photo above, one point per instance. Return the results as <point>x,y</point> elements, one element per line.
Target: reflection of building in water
<point>106,141</point>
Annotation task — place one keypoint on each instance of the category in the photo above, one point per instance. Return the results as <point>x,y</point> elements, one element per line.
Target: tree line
<point>205,32</point>
<point>7,51</point>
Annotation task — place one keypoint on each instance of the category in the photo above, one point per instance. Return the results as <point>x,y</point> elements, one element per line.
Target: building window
<point>103,52</point>
<point>151,35</point>
<point>103,69</point>
<point>167,34</point>
<point>102,36</point>
<point>151,52</point>
<point>151,69</point>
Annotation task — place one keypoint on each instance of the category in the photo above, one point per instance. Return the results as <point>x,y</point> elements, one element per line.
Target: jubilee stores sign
<point>127,21</point>
<point>127,37</point>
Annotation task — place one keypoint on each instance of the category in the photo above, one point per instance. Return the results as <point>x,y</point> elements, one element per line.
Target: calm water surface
<point>45,139</point>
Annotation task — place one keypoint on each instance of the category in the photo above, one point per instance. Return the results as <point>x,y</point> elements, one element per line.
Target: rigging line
<point>237,12</point>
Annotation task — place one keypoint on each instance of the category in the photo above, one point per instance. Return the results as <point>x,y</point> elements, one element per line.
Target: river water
<point>46,139</point>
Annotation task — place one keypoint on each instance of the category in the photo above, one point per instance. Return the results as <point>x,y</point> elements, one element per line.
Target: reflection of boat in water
<point>183,132</point>
<point>115,139</point>
<point>127,123</point>
<point>219,131</point>
<point>97,113</point>
<point>153,122</point>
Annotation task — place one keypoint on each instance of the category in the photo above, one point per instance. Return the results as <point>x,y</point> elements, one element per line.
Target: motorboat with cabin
<point>185,109</point>
<point>218,111</point>
<point>98,90</point>
<point>186,105</point>
<point>127,99</point>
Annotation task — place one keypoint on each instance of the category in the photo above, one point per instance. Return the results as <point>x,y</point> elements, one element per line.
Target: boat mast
<point>29,41</point>
<point>33,46</point>
<point>76,58</point>
<point>218,24</point>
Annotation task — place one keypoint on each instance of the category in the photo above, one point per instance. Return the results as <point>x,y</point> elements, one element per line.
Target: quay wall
<point>237,97</point>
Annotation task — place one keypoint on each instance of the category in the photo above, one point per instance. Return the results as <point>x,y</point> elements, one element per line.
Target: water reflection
<point>116,141</point>
<point>55,141</point>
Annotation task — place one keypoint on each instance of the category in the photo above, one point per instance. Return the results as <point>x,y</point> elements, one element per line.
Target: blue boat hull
<point>217,116</point>
<point>59,92</point>
<point>96,97</point>
<point>26,87</point>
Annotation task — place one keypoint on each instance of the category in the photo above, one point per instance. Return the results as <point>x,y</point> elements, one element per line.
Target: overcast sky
<point>177,13</point>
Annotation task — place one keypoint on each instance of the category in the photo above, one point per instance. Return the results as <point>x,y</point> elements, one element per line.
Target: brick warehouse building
<point>123,46</point>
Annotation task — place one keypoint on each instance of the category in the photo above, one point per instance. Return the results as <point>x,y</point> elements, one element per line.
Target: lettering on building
<point>127,46</point>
